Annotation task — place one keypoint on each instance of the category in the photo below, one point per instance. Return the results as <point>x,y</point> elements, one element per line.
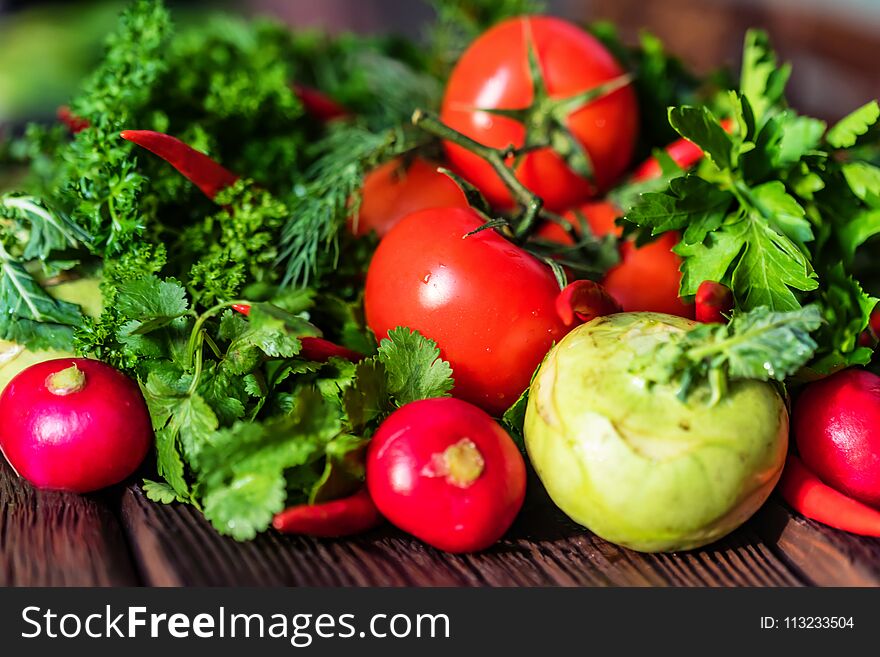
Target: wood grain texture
<point>174,545</point>
<point>826,556</point>
<point>58,539</point>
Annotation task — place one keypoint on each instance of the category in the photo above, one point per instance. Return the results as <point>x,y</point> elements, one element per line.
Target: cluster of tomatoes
<point>490,305</point>
<point>493,308</point>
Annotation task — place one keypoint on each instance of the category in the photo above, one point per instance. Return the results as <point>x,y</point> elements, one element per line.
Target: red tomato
<point>647,278</point>
<point>489,305</point>
<point>600,216</point>
<point>444,471</point>
<point>494,74</point>
<point>391,192</point>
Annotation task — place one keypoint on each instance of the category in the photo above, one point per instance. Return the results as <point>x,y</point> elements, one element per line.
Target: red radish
<point>74,424</point>
<point>713,303</point>
<point>447,473</point>
<point>836,422</point>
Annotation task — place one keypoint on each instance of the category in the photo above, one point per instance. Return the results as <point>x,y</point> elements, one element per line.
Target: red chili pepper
<point>583,301</point>
<point>319,104</point>
<point>683,152</point>
<point>807,495</point>
<point>713,303</point>
<point>73,122</point>
<point>242,308</point>
<point>316,349</point>
<point>198,168</point>
<point>344,517</point>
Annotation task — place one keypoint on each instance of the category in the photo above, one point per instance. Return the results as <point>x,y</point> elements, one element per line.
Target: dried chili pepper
<point>807,495</point>
<point>198,168</point>
<point>343,517</point>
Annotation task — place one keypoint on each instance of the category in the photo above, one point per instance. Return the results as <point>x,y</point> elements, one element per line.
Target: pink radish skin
<point>74,424</point>
<point>836,423</point>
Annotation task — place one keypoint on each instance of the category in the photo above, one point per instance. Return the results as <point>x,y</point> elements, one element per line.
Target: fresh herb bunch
<point>778,208</point>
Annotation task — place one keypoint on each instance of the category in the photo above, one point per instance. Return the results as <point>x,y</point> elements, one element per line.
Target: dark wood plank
<point>825,556</point>
<point>174,545</point>
<point>58,539</point>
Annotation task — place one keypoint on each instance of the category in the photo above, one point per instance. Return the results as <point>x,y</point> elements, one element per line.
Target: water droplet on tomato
<point>427,278</point>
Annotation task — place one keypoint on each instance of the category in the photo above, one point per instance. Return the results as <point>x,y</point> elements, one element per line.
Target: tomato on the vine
<point>536,80</point>
<point>647,277</point>
<point>398,188</point>
<point>488,304</point>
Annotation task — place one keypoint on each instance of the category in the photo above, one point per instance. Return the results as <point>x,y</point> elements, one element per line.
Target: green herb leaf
<point>700,126</point>
<point>689,203</point>
<point>762,79</point>
<point>761,345</point>
<point>846,132</point>
<point>241,469</point>
<point>415,369</point>
<point>159,491</point>
<point>366,400</point>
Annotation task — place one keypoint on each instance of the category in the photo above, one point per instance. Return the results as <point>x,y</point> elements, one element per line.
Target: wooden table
<point>121,538</point>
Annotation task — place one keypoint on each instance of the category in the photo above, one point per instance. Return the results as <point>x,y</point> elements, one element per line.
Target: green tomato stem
<point>531,203</point>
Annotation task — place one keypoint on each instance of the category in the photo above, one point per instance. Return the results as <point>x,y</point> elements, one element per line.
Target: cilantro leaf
<point>846,132</point>
<point>178,411</point>
<point>343,471</point>
<point>159,491</point>
<point>514,418</point>
<point>367,398</point>
<point>151,302</point>
<point>269,332</point>
<point>782,211</point>
<point>415,369</point>
<point>241,470</point>
<point>864,181</point>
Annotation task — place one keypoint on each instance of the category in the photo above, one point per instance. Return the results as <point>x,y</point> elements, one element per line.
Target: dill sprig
<point>332,193</point>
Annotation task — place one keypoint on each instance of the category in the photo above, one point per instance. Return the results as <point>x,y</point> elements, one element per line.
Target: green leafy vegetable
<point>762,345</point>
<point>415,370</point>
<point>773,212</point>
<point>847,131</point>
